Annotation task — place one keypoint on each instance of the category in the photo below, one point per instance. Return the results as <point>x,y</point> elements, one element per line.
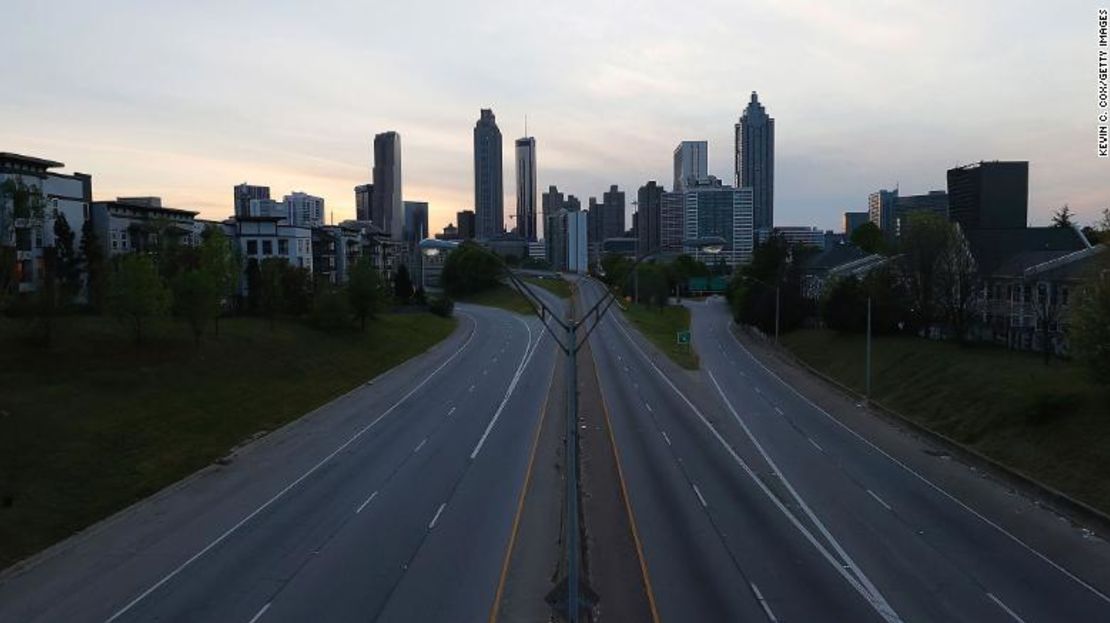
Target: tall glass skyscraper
<point>386,206</point>
<point>489,199</point>
<point>526,188</point>
<point>755,161</point>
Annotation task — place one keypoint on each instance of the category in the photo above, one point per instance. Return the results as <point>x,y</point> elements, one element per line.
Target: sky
<point>184,100</point>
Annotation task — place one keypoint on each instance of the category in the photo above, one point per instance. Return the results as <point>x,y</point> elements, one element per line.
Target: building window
<point>283,247</point>
<point>267,247</point>
<point>252,247</point>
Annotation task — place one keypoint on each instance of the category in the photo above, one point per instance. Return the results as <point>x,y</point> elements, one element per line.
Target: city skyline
<point>608,113</point>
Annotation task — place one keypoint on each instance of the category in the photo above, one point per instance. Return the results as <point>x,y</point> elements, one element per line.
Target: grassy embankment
<point>555,285</point>
<point>1051,422</point>
<point>661,325</point>
<point>96,422</point>
<point>502,296</point>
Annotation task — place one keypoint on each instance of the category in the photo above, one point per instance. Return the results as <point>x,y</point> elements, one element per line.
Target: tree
<point>470,269</point>
<point>922,243</point>
<point>137,293</point>
<point>331,308</point>
<point>254,286</point>
<point>296,285</point>
<point>1089,334</point>
<point>220,264</point>
<point>868,237</point>
<point>957,283</point>
<point>402,285</point>
<point>845,306</point>
<point>775,272</point>
<point>364,291</point>
<point>67,267</point>
<point>1063,217</point>
<point>271,299</point>
<point>197,296</point>
<point>92,257</point>
<point>654,285</point>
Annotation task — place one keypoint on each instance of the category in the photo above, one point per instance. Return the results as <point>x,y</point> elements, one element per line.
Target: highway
<point>754,504</point>
<point>392,503</point>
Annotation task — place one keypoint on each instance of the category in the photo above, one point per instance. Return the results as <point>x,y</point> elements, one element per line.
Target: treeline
<point>652,283</point>
<point>195,284</point>
<point>927,284</point>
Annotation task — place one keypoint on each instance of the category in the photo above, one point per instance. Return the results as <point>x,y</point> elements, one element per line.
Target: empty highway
<point>753,504</point>
<point>392,503</point>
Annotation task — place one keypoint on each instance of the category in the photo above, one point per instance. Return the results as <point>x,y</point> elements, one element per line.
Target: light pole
<point>867,364</point>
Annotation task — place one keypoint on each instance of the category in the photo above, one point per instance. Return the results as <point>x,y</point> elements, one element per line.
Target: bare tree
<point>957,283</point>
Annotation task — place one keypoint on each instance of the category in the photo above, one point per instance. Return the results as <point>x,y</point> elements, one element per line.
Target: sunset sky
<point>186,99</point>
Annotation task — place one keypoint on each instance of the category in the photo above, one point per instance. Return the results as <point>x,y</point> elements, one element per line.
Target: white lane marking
<point>1005,608</point>
<point>495,360</point>
<point>529,351</point>
<point>485,372</point>
<point>757,390</point>
<point>439,512</point>
<point>851,564</point>
<point>665,437</point>
<point>619,358</point>
<point>261,612</point>
<point>649,408</point>
<point>879,500</point>
<point>220,539</point>
<point>743,374</point>
<point>471,389</point>
<point>420,445</point>
<point>368,500</point>
<point>701,498</point>
<point>922,478</point>
<point>763,602</point>
<point>815,445</point>
<point>877,602</point>
<point>451,411</point>
<point>779,411</point>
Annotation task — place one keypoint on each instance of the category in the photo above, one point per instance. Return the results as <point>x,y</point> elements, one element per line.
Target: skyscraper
<point>712,210</point>
<point>489,200</point>
<point>989,195</point>
<point>305,210</point>
<point>364,199</point>
<point>755,161</point>
<point>526,187</point>
<point>612,225</point>
<point>416,221</point>
<point>386,208</point>
<point>244,193</point>
<point>691,162</point>
<point>649,200</point>
<point>465,219</point>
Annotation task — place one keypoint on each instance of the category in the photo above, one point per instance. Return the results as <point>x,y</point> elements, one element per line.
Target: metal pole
<point>572,473</point>
<point>777,314</point>
<point>867,382</point>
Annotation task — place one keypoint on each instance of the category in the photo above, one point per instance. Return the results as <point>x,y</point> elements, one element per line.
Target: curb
<point>1041,494</point>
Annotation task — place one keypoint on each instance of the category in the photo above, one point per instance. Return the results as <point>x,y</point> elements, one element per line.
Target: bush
<point>442,306</point>
<point>331,311</point>
<point>1051,407</point>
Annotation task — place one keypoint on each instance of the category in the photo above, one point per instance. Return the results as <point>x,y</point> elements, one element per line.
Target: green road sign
<point>683,337</point>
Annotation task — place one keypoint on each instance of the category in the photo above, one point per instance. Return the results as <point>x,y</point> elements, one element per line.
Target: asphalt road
<point>753,504</point>
<point>392,503</point>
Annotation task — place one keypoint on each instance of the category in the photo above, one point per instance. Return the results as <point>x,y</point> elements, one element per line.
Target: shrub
<point>331,310</point>
<point>442,306</point>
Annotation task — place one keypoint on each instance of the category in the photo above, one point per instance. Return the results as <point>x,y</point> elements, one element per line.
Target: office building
<point>852,220</point>
<point>714,210</point>
<point>804,236</point>
<point>933,202</point>
<point>364,199</point>
<point>989,195</point>
<point>691,163</point>
<point>755,161</point>
<point>416,221</point>
<point>649,201</point>
<point>672,215</point>
<point>577,254</point>
<point>489,200</point>
<point>467,224</point>
<point>880,209</point>
<point>245,193</point>
<point>386,205</point>
<point>305,210</point>
<point>526,188</point>
<point>612,216</point>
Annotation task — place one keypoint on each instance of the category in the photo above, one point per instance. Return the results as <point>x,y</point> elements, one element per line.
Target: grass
<point>555,285</point>
<point>1049,422</point>
<point>96,423</point>
<point>502,296</point>
<point>661,326</point>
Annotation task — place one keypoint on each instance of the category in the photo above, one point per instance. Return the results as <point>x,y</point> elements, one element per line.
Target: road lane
<point>376,491</point>
<point>930,555</point>
<point>716,547</point>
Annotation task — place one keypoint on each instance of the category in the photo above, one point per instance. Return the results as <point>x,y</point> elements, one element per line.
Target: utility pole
<point>867,381</point>
<point>572,470</point>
